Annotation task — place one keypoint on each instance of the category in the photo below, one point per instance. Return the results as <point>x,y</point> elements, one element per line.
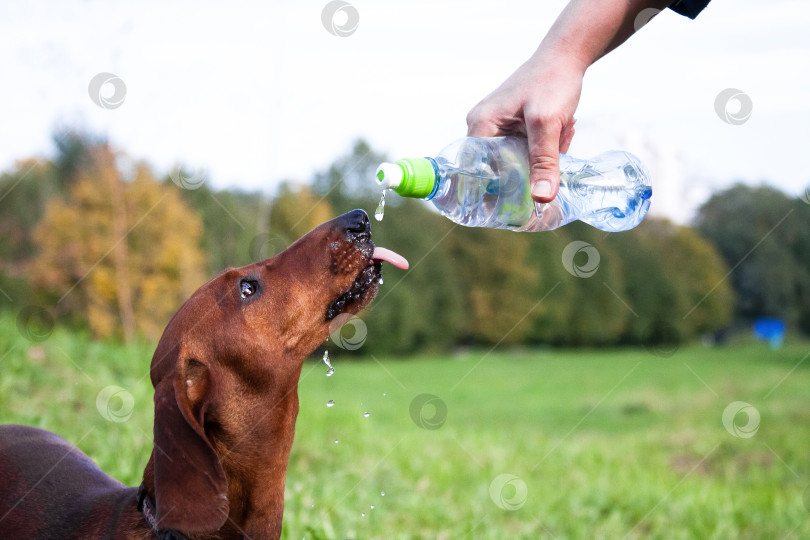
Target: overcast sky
<point>252,93</point>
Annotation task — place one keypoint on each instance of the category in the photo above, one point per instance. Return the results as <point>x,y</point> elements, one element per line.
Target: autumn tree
<point>297,210</point>
<point>235,224</point>
<point>118,255</point>
<point>25,191</point>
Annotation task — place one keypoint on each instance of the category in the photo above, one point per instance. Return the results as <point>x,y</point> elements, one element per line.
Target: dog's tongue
<point>383,254</point>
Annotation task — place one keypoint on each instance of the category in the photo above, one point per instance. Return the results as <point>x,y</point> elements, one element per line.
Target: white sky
<point>256,92</point>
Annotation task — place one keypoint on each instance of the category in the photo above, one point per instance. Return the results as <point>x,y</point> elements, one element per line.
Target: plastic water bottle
<point>484,182</point>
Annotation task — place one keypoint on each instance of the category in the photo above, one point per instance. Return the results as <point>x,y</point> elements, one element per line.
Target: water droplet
<point>336,441</point>
<point>372,507</point>
<point>331,370</point>
<point>380,281</point>
<point>384,394</point>
<point>382,494</point>
<point>363,514</point>
<point>330,403</point>
<point>380,212</point>
<point>366,414</point>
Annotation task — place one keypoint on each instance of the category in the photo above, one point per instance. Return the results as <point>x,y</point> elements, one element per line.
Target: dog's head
<point>242,339</point>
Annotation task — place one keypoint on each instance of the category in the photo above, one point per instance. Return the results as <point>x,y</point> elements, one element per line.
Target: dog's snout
<point>355,222</point>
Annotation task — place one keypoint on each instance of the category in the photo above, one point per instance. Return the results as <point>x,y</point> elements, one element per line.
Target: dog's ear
<point>190,483</point>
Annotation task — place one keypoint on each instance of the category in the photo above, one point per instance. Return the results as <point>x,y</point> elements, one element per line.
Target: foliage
<point>24,193</point>
<point>657,284</point>
<point>235,225</point>
<point>426,307</point>
<point>349,178</point>
<point>296,211</point>
<point>488,287</point>
<point>764,236</point>
<point>120,255</point>
<point>673,281</point>
<point>244,227</point>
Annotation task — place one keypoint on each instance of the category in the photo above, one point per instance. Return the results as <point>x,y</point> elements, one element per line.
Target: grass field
<point>596,443</point>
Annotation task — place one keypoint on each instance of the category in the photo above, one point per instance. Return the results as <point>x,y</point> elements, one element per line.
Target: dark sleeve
<point>689,8</point>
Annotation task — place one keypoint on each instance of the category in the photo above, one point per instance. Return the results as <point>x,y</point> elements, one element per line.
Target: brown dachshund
<point>226,375</point>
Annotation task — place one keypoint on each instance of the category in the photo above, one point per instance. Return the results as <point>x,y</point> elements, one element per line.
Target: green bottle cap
<point>410,177</point>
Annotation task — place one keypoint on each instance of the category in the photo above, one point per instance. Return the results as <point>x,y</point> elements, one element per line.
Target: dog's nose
<point>355,222</point>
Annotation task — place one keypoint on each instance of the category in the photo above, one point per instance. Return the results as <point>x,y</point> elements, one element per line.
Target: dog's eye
<point>247,288</point>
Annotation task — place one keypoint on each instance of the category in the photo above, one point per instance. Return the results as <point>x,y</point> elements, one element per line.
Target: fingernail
<point>541,189</point>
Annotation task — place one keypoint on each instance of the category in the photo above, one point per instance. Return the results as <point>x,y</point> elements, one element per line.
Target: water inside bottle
<point>484,197</point>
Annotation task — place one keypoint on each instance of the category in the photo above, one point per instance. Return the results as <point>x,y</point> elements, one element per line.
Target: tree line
<point>100,241</point>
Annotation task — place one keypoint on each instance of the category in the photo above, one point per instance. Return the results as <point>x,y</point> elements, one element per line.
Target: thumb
<point>544,163</point>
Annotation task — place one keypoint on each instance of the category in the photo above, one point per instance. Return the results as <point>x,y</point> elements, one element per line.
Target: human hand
<point>537,101</point>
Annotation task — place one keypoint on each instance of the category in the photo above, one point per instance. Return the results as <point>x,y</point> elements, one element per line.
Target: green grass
<point>608,443</point>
